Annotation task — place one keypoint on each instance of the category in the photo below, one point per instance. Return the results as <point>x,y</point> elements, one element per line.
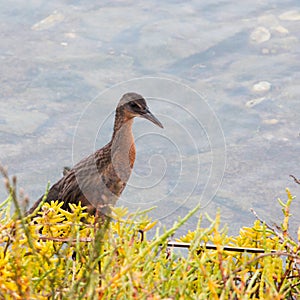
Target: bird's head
<point>134,105</point>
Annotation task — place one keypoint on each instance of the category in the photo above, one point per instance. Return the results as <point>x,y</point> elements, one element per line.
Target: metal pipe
<point>224,248</point>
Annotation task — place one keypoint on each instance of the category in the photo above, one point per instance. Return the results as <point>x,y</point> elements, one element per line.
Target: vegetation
<point>55,254</point>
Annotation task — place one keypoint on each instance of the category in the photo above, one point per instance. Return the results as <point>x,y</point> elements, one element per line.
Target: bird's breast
<point>132,152</point>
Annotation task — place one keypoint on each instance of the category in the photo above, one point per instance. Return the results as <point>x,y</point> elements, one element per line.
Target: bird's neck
<point>123,133</point>
<point>120,121</point>
<point>122,143</point>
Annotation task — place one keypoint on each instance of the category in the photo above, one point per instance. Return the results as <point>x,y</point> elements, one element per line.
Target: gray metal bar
<point>213,247</point>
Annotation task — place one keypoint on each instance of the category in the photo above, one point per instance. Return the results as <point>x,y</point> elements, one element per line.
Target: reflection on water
<point>244,59</point>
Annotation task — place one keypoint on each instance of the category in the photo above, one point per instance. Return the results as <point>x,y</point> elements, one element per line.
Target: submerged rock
<point>291,15</point>
<point>260,35</point>
<point>50,21</point>
<point>253,102</point>
<point>271,121</point>
<point>262,86</point>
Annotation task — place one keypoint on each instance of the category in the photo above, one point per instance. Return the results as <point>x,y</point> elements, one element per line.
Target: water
<point>57,58</point>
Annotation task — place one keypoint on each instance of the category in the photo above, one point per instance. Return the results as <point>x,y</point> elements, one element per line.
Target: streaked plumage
<point>98,180</point>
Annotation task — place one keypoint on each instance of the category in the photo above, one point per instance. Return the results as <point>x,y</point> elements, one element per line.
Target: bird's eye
<point>134,105</point>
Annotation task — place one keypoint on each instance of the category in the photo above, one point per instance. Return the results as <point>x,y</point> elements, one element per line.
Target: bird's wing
<point>84,177</point>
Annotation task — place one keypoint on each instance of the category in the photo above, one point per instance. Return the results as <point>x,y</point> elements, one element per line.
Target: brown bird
<point>98,180</point>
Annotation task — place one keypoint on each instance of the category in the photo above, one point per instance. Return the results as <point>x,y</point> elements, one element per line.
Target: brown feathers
<point>98,180</point>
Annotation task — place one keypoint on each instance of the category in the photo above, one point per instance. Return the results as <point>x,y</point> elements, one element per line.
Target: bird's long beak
<point>149,116</point>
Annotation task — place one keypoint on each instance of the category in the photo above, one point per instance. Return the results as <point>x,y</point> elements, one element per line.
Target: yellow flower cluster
<point>58,254</point>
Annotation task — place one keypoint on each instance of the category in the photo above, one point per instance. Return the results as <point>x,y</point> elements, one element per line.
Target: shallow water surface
<point>64,67</point>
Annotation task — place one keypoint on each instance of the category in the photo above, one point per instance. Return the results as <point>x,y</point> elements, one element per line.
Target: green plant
<point>55,254</point>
